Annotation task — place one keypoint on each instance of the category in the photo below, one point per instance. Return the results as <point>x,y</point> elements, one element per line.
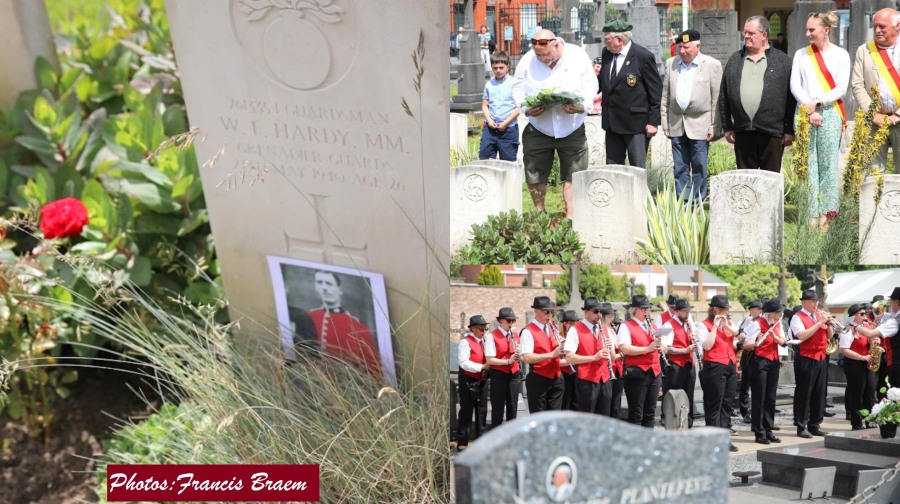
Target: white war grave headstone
<point>746,212</point>
<point>603,214</point>
<point>26,36</point>
<point>478,190</point>
<point>327,121</point>
<point>641,192</point>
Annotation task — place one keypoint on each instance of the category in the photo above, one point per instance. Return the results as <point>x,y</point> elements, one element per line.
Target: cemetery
<point>749,216</point>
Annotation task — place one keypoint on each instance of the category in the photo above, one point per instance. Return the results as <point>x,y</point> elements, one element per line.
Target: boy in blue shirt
<point>501,130</point>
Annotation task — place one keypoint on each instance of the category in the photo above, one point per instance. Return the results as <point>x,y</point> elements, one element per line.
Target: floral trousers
<point>824,152</point>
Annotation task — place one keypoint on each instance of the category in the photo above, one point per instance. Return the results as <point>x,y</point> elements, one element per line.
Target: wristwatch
<point>819,104</point>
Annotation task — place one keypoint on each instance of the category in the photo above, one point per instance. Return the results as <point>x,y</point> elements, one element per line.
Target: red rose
<point>831,215</point>
<point>63,218</point>
<point>553,224</point>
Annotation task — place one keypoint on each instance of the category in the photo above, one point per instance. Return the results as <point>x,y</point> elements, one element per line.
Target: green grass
<point>553,200</point>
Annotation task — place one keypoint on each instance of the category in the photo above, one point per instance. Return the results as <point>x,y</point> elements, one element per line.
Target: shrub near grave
<point>527,238</point>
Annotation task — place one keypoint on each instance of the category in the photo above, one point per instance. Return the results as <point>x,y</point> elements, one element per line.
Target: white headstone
<point>459,132</point>
<point>883,243</point>
<point>26,36</point>
<point>641,191</point>
<point>604,214</point>
<point>522,121</point>
<point>746,214</point>
<point>596,138</point>
<point>479,190</point>
<point>329,144</point>
<point>661,154</point>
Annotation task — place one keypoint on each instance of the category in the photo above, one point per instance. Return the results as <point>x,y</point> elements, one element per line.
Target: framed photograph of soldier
<point>332,309</point>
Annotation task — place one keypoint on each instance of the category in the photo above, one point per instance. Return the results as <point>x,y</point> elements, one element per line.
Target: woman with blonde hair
<point>819,78</point>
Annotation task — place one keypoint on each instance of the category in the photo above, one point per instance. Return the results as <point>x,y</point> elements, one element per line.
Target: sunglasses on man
<point>541,42</point>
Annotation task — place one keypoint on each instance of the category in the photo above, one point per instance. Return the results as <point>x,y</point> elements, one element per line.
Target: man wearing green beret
<point>632,90</point>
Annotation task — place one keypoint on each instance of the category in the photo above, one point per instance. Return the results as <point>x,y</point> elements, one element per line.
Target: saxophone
<point>875,352</point>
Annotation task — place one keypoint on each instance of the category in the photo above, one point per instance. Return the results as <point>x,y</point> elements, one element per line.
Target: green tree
<point>728,273</point>
<point>595,280</point>
<point>756,284</point>
<point>490,276</point>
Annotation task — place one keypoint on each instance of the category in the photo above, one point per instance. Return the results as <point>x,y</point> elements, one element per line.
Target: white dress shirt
<point>573,72</point>
<point>464,353</point>
<point>846,340</point>
<point>623,337</point>
<point>686,75</point>
<point>805,84</point>
<point>527,340</point>
<point>619,60</point>
<point>888,325</point>
<point>572,340</point>
<point>490,349</point>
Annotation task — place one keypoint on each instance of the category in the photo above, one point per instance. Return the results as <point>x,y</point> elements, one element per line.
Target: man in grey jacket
<point>755,101</point>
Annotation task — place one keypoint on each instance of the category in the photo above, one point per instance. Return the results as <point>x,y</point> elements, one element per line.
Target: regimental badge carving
<point>301,44</point>
<point>562,476</point>
<point>742,198</point>
<point>475,187</point>
<point>601,192</point>
<point>890,206</point>
<point>714,25</point>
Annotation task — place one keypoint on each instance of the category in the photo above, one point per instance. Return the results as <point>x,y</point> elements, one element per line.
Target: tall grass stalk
<point>678,232</point>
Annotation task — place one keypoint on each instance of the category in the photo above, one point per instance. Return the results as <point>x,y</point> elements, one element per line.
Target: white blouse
<point>805,85</point>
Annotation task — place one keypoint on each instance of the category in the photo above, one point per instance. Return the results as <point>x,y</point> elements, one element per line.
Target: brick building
<point>654,278</point>
<point>694,282</point>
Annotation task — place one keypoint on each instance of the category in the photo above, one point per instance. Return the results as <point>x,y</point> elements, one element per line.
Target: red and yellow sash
<point>886,69</point>
<point>825,78</point>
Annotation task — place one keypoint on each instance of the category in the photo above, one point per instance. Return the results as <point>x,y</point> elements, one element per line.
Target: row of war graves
<point>746,207</point>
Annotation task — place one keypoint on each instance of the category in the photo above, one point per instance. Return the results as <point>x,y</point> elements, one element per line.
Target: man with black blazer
<point>632,89</point>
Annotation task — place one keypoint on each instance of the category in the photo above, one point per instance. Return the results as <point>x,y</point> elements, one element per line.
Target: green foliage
<point>529,238</point>
<point>887,411</point>
<point>728,273</point>
<point>721,159</point>
<point>593,280</point>
<point>490,275</point>
<point>548,98</point>
<point>678,233</point>
<point>757,284</point>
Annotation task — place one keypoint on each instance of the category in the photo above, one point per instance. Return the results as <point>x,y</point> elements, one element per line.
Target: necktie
<point>614,71</point>
<point>483,359</point>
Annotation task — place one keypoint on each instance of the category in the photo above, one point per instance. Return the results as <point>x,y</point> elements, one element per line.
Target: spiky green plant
<point>678,233</point>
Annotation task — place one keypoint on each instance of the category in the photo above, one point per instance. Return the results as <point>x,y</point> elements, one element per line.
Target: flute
<point>559,339</point>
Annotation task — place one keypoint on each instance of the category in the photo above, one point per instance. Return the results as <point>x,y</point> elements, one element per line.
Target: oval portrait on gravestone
<point>890,206</point>
<point>300,44</point>
<point>601,192</point>
<point>561,479</point>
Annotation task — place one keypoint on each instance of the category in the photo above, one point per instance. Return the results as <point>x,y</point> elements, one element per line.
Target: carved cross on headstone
<point>326,247</point>
<point>600,245</point>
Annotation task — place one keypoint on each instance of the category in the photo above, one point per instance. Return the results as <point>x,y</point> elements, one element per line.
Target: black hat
<point>854,309</point>
<point>591,303</point>
<point>896,293</point>
<point>797,308</point>
<point>477,320</point>
<point>671,300</point>
<point>867,306</point>
<point>809,294</point>
<point>683,304</point>
<point>877,297</point>
<point>570,316</point>
<point>640,301</point>
<point>506,313</point>
<point>598,60</point>
<point>607,308</point>
<point>543,303</point>
<point>688,36</point>
<point>773,306</point>
<point>719,301</point>
<point>755,304</point>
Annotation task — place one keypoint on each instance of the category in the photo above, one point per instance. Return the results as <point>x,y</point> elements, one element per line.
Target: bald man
<point>869,70</point>
<point>551,63</point>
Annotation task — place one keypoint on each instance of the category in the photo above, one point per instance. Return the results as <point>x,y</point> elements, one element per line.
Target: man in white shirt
<point>472,381</point>
<point>813,330</point>
<point>668,315</point>
<point>552,63</point>
<point>586,347</point>
<point>505,372</point>
<point>682,374</point>
<point>541,350</point>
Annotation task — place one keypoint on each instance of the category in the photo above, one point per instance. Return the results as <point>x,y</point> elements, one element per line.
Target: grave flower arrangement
<point>548,98</point>
<point>885,414</point>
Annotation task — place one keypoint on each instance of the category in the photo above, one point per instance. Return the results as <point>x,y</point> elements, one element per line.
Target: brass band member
<point>744,387</point>
<point>660,321</point>
<point>611,323</point>
<point>472,384</point>
<point>875,310</point>
<point>500,350</point>
<point>540,349</point>
<point>586,346</point>
<point>642,369</point>
<point>718,379</point>
<point>682,375</point>
<point>811,366</point>
<point>861,382</point>
<point>887,329</point>
<point>570,396</point>
<point>763,338</point>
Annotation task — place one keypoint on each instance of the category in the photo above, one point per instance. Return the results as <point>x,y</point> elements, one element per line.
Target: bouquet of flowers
<point>548,98</point>
<point>887,411</point>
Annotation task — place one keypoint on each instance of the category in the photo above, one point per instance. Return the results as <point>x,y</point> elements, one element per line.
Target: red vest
<point>505,350</point>
<point>722,350</point>
<point>682,340</point>
<point>769,348</point>
<point>640,338</point>
<point>597,371</point>
<point>860,345</point>
<point>618,365</point>
<point>476,355</point>
<point>665,317</point>
<point>544,344</point>
<point>814,346</point>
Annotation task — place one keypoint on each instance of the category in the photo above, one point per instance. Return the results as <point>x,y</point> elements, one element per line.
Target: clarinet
<point>558,338</point>
<point>693,337</point>
<point>664,358</point>
<point>612,374</point>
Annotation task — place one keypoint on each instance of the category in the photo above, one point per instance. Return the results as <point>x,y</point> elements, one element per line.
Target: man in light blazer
<point>688,109</point>
<point>866,73</point>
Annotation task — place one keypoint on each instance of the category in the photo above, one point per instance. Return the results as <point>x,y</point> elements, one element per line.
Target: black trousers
<point>754,149</point>
<point>744,394</point>
<point>570,396</point>
<point>594,397</point>
<point>764,384</point>
<point>544,394</point>
<point>861,385</point>
<point>635,146</point>
<point>883,372</point>
<point>473,397</point>
<point>682,378</point>
<point>615,403</point>
<point>504,394</point>
<point>810,392</point>
<point>642,391</point>
<point>719,384</point>
<point>894,372</point>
